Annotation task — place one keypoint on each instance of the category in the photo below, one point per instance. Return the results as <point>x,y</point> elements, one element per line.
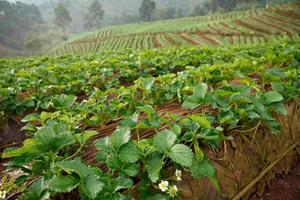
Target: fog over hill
<point>32,26</point>
<point>116,11</point>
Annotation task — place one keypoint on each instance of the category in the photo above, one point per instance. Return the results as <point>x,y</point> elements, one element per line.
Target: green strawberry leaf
<point>82,138</point>
<point>119,137</point>
<point>64,184</point>
<point>272,97</point>
<point>181,154</point>
<point>154,165</point>
<point>164,140</point>
<point>129,153</point>
<point>202,168</point>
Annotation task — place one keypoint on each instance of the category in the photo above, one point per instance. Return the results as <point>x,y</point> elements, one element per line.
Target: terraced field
<point>158,122</point>
<point>243,27</point>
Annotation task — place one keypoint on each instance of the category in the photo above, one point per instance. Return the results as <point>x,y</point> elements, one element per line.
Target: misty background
<point>32,26</point>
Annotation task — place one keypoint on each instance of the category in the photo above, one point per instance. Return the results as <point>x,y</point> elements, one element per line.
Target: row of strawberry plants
<point>240,94</point>
<point>104,106</point>
<point>71,74</point>
<point>30,83</point>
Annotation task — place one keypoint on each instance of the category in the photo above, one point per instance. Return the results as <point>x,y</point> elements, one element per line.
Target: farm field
<point>240,28</point>
<point>193,108</point>
<point>135,112</point>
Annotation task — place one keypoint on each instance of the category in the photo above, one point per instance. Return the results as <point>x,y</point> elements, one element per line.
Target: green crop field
<point>242,27</point>
<point>137,111</point>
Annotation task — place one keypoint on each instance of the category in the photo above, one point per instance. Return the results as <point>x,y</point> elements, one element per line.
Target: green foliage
<point>199,93</point>
<point>17,19</point>
<point>164,140</point>
<point>63,101</point>
<point>181,154</point>
<point>63,184</point>
<point>154,165</point>
<point>220,87</point>
<point>202,168</point>
<point>37,191</point>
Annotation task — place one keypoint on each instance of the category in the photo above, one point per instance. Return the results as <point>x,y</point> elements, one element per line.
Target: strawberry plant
<point>231,90</point>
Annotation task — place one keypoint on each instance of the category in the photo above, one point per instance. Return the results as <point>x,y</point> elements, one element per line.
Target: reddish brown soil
<point>288,14</point>
<point>273,25</point>
<point>156,41</point>
<point>250,26</point>
<point>186,37</point>
<point>209,39</point>
<point>171,40</point>
<point>285,187</point>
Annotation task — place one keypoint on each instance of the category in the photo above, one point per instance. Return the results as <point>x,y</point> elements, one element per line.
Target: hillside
<point>243,27</point>
<point>112,115</point>
<point>124,121</point>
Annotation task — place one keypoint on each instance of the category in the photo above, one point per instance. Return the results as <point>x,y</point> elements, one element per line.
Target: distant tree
<point>94,16</point>
<point>16,20</point>
<point>146,10</point>
<point>62,17</point>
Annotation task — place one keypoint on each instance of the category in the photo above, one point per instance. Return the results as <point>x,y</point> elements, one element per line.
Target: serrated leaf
<point>164,140</point>
<point>76,166</point>
<point>147,109</point>
<point>113,162</point>
<point>154,165</point>
<point>148,82</point>
<point>45,116</point>
<point>101,156</point>
<point>200,90</point>
<point>29,127</point>
<point>122,183</point>
<point>49,140</point>
<point>28,145</point>
<point>176,129</point>
<point>64,184</point>
<point>201,120</point>
<point>104,144</point>
<point>202,168</point>
<point>278,87</point>
<point>38,167</point>
<point>91,186</point>
<point>130,121</point>
<point>119,137</point>
<point>253,115</point>
<point>37,190</point>
<point>129,153</point>
<point>272,97</point>
<point>181,154</point>
<point>131,169</point>
<point>279,108</point>
<point>82,138</point>
<point>187,104</point>
<point>31,118</point>
<point>63,101</point>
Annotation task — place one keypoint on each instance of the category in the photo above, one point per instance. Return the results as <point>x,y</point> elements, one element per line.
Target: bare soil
<point>284,187</point>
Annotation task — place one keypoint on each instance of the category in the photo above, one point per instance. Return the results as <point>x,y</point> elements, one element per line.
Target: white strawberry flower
<point>173,191</point>
<point>2,194</point>
<point>178,175</point>
<point>163,186</point>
